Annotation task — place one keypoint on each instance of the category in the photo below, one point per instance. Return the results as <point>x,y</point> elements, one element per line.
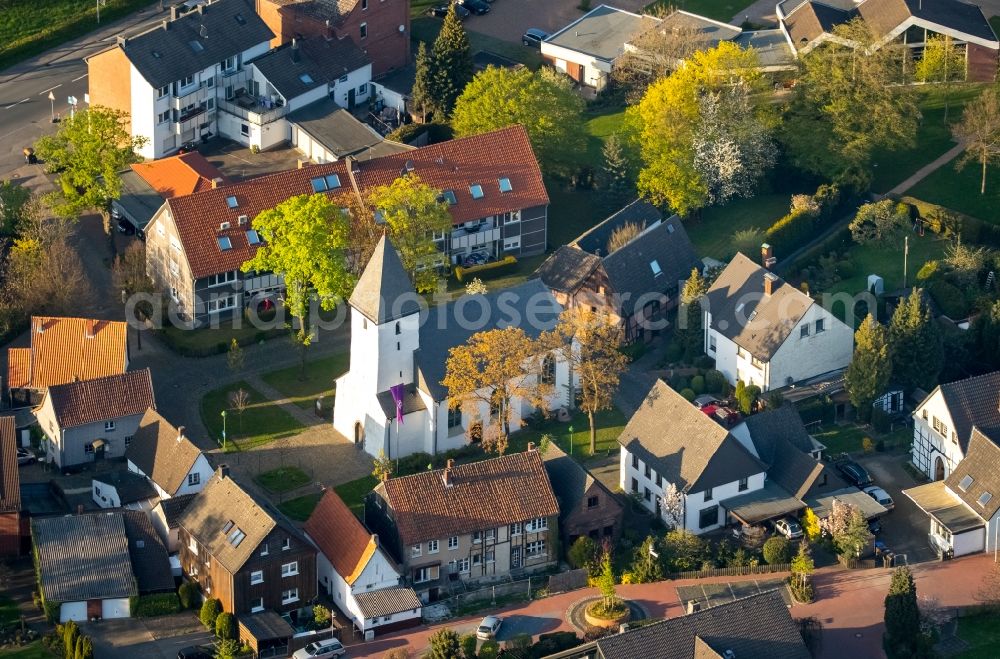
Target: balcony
<point>255,110</point>
<point>485,234</point>
<point>195,95</point>
<point>193,119</point>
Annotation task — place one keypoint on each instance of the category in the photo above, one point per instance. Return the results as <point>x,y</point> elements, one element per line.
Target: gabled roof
<point>10,479</point>
<point>754,321</point>
<point>173,507</point>
<point>979,473</point>
<point>179,175</point>
<point>83,557</point>
<point>162,452</point>
<point>131,487</point>
<point>972,402</point>
<point>341,537</point>
<point>595,239</point>
<point>454,165</point>
<point>683,444</point>
<point>102,399</point>
<point>774,424</point>
<point>567,268</point>
<point>489,493</point>
<point>384,291</point>
<point>570,481</point>
<point>387,601</point>
<point>962,17</point>
<point>150,562</point>
<point>67,349</point>
<point>809,21</point>
<point>448,325</point>
<point>195,41</point>
<point>758,627</point>
<point>305,64</point>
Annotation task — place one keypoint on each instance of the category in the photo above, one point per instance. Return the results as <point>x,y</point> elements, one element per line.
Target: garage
<point>73,611</point>
<point>117,607</point>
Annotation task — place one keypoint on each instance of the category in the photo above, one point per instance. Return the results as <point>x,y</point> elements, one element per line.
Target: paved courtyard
<point>152,638</point>
<point>508,19</point>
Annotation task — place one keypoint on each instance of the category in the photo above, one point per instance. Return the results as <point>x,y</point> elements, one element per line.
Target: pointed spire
<point>384,292</point>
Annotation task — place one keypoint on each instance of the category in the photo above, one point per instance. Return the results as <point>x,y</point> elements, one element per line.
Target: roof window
<point>236,537</point>
<point>654,265</point>
<point>476,190</point>
<point>318,184</point>
<point>225,243</point>
<point>449,196</point>
<point>670,228</point>
<point>196,46</point>
<point>965,483</point>
<point>240,19</point>
<point>505,185</point>
<point>306,78</point>
<point>332,181</point>
<point>231,201</point>
<point>253,237</point>
<point>984,498</point>
<point>156,54</point>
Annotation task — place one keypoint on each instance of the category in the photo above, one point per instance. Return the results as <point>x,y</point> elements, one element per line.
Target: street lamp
<point>571,440</point>
<point>223,430</point>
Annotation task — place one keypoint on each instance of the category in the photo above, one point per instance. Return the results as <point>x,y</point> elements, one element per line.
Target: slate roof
<point>782,423</point>
<point>174,507</point>
<point>61,352</point>
<point>529,306</point>
<point>10,478</point>
<point>489,493</point>
<point>811,20</point>
<point>754,627</point>
<point>150,562</point>
<point>179,175</point>
<point>742,313</point>
<point>222,29</point>
<point>345,542</point>
<point>567,268</point>
<point>131,487</point>
<point>570,481</point>
<point>102,399</point>
<point>83,557</point>
<point>156,450</point>
<point>602,32</point>
<point>982,465</point>
<point>341,133</point>
<point>386,601</point>
<point>683,444</point>
<point>963,17</point>
<point>972,402</point>
<point>139,199</point>
<point>224,500</point>
<point>452,165</point>
<point>384,291</point>
<point>595,239</point>
<point>412,401</point>
<point>311,63</point>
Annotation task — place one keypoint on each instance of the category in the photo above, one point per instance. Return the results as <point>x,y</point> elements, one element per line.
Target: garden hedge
<point>158,604</point>
<point>947,223</point>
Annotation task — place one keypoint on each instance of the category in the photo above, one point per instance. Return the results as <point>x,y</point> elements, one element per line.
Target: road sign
<point>52,96</point>
<point>71,100</point>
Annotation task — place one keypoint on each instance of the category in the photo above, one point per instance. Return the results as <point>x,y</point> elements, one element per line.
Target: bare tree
<point>979,131</point>
<point>654,51</point>
<point>44,273</point>
<point>624,235</point>
<point>239,401</point>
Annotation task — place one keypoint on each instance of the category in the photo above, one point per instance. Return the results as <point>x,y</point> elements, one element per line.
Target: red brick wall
<point>10,534</point>
<point>982,64</point>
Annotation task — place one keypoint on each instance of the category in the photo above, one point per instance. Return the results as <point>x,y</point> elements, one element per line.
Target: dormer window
<point>476,190</point>
<point>505,185</point>
<point>231,201</point>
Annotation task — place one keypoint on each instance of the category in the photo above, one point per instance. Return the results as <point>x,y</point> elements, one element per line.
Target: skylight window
<point>253,237</point>
<point>505,185</point>
<point>654,265</point>
<point>306,78</point>
<point>670,228</point>
<point>156,54</point>
<point>240,19</point>
<point>225,243</point>
<point>965,483</point>
<point>228,527</point>
<point>231,201</point>
<point>984,498</point>
<point>332,181</point>
<point>319,184</point>
<point>476,190</point>
<point>196,46</point>
<point>236,537</point>
<point>449,196</point>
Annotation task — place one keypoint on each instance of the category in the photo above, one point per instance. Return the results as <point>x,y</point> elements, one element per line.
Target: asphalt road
<point>25,109</point>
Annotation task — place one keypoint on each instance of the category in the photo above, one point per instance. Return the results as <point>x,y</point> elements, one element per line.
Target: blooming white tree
<point>672,507</point>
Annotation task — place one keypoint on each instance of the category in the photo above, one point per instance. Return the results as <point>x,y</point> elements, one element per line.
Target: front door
<point>939,468</point>
<point>350,99</point>
<point>515,557</point>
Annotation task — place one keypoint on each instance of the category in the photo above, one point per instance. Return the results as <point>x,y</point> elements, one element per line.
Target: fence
<point>738,571</point>
<point>859,563</point>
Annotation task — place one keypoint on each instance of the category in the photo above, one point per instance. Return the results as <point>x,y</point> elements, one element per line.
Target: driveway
<point>152,638</point>
<point>904,529</point>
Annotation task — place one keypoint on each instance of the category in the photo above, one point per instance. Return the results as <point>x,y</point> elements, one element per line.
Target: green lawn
<point>205,341</point>
<point>426,28</point>
<point>849,438</point>
<point>887,262</point>
<point>933,137</point>
<point>8,610</point>
<point>353,493</point>
<point>982,633</point>
<point>282,479</point>
<point>720,10</point>
<point>261,422</point>
<point>318,381</point>
<point>31,651</point>
<point>959,190</point>
<point>712,234</point>
<point>301,507</point>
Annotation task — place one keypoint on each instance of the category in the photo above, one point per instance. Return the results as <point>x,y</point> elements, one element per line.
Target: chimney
<point>446,476</point>
<point>451,463</point>
<point>121,40</point>
<point>89,330</point>
<point>531,447</point>
<point>180,433</point>
<point>295,49</point>
<point>223,471</point>
<point>200,9</point>
<point>767,256</point>
<point>217,182</point>
<point>375,539</point>
<point>174,12</point>
<point>166,24</point>
<point>79,509</point>
<point>770,281</point>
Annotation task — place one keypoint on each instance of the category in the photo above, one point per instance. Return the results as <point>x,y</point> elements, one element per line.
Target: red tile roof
<point>490,493</point>
<point>179,175</point>
<point>10,483</point>
<point>102,399</point>
<point>340,536</point>
<point>68,349</point>
<point>453,165</point>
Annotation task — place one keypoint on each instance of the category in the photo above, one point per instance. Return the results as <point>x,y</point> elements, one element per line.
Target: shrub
<point>704,362</point>
<point>408,133</point>
<point>929,270</point>
<point>688,393</point>
<point>321,616</point>
<point>678,382</point>
<point>698,384</point>
<point>582,552</point>
<point>867,445</point>
<point>949,299</point>
<point>70,633</point>
<point>880,420</point>
<point>490,650</point>
<point>469,644</point>
<point>791,231</point>
<point>554,642</point>
<point>188,594</point>
<point>210,610</point>
<point>777,550</point>
<point>674,352</point>
<point>715,381</point>
<point>493,267</point>
<point>225,626</point>
<point>159,604</point>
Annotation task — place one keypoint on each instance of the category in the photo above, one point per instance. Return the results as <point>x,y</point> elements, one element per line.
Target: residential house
<point>356,572</point>
<point>807,24</point>
<point>497,200</point>
<point>964,508</point>
<point>94,419</point>
<point>943,422</point>
<point>381,28</point>
<point>766,332</point>
<point>146,185</point>
<point>754,627</point>
<point>477,522</point>
<point>121,488</point>
<point>163,454</point>
<point>165,518</point>
<point>167,79</point>
<point>324,132</point>
<point>91,565</point>
<point>64,350</point>
<point>13,523</point>
<point>242,551</point>
<point>395,342</point>
<point>637,283</point>
<point>586,506</point>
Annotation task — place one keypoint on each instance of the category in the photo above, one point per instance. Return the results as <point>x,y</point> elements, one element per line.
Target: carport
<point>267,633</point>
<point>955,528</point>
<point>769,502</point>
<point>869,507</point>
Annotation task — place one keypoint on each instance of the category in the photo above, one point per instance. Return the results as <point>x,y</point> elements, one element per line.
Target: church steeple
<point>384,292</point>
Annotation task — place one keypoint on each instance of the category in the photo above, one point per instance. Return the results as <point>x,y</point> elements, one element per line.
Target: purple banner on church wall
<point>398,391</point>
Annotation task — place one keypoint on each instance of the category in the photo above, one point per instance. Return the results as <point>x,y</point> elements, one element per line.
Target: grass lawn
<point>318,381</point>
<point>282,479</point>
<point>933,137</point>
<point>353,493</point>
<point>301,507</point>
<point>959,190</point>
<point>982,633</point>
<point>426,28</point>
<point>712,233</point>
<point>8,610</point>
<point>31,651</point>
<point>205,341</point>
<point>849,438</point>
<point>261,422</point>
<point>720,10</point>
<point>887,262</point>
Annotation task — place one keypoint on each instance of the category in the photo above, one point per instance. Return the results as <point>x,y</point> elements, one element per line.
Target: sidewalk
<point>928,169</point>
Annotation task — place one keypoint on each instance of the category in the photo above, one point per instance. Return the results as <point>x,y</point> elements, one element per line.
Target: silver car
<point>321,650</point>
<point>880,495</point>
<point>489,627</point>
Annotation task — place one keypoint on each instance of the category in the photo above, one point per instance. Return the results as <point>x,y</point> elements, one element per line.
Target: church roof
<point>384,292</point>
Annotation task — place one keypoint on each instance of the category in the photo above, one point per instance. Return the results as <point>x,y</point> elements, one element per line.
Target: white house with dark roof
<point>167,458</point>
<point>943,422</point>
<point>764,331</point>
<point>396,341</point>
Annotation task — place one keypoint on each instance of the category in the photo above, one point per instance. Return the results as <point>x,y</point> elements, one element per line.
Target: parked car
<point>534,37</point>
<point>727,416</point>
<point>855,473</point>
<point>875,526</point>
<point>789,528</point>
<point>196,652</point>
<point>477,7</point>
<point>880,495</point>
<point>475,258</point>
<point>440,11</point>
<point>331,647</point>
<point>489,627</point>
<point>24,456</point>
<point>126,227</point>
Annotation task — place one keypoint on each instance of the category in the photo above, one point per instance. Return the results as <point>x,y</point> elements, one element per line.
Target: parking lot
<point>152,638</point>
<point>714,594</point>
<point>508,19</point>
